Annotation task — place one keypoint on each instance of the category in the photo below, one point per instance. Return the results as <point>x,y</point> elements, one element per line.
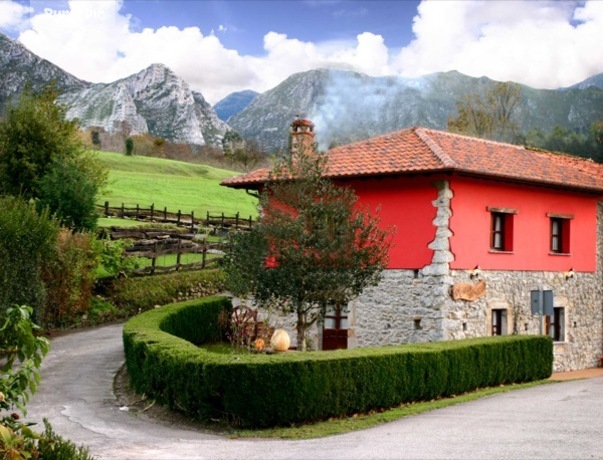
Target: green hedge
<point>136,294</point>
<point>260,390</point>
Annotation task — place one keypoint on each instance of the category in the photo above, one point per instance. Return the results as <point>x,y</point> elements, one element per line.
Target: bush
<point>51,446</point>
<point>133,295</point>
<point>281,389</point>
<point>27,242</point>
<point>42,158</point>
<point>69,278</point>
<point>69,190</point>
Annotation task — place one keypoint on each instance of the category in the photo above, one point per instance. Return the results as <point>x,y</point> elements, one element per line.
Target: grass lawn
<point>173,184</point>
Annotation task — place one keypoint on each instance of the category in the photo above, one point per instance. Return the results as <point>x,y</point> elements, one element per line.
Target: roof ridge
<point>435,148</point>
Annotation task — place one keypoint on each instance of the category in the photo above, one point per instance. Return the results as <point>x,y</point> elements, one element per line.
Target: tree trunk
<point>301,331</point>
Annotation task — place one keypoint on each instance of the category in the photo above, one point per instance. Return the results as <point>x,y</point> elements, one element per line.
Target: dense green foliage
<point>43,158</point>
<point>588,144</point>
<point>268,390</point>
<point>132,295</point>
<point>312,248</point>
<point>129,144</point>
<point>51,446</point>
<point>22,351</point>
<point>69,189</point>
<point>27,242</point>
<point>69,278</point>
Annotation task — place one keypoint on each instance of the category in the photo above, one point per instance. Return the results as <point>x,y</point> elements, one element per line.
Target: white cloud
<point>539,43</point>
<point>95,42</point>
<point>13,15</point>
<point>544,44</point>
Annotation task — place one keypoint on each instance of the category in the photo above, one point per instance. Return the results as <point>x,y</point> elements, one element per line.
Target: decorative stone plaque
<point>467,291</point>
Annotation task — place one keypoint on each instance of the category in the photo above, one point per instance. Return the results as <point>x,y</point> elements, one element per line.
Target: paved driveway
<point>562,420</point>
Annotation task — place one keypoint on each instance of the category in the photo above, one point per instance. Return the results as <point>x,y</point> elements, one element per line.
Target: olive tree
<point>313,246</point>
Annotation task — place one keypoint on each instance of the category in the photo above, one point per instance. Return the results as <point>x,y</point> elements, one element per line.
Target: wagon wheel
<point>243,322</point>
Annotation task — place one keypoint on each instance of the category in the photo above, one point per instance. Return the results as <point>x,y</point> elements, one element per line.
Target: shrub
<point>129,143</point>
<point>51,446</point>
<point>133,295</point>
<point>42,157</point>
<point>27,242</point>
<point>69,190</point>
<point>69,278</point>
<point>268,390</point>
<point>114,260</point>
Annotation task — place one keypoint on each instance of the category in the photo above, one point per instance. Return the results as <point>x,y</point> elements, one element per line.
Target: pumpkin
<point>280,340</point>
<point>259,344</point>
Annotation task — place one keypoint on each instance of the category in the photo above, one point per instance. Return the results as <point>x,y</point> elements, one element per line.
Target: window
<point>499,321</point>
<point>501,229</point>
<point>555,324</point>
<point>560,231</point>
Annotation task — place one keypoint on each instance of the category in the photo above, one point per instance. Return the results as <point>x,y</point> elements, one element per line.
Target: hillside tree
<point>489,115</point>
<point>245,153</point>
<point>313,246</point>
<point>41,150</point>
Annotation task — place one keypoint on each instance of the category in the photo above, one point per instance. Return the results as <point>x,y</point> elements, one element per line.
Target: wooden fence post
<point>204,258</point>
<point>178,255</point>
<point>137,212</point>
<point>154,259</point>
<point>192,221</point>
<point>123,210</point>
<point>152,210</point>
<point>179,214</point>
<point>237,221</point>
<point>106,209</point>
<point>165,214</point>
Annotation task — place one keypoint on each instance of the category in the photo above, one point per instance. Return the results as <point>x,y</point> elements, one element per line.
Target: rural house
<point>481,228</point>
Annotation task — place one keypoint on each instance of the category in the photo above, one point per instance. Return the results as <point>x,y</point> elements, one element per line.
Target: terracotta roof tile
<point>422,150</point>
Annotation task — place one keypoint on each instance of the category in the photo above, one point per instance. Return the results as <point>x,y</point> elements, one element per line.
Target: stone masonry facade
<point>411,306</point>
<point>416,305</point>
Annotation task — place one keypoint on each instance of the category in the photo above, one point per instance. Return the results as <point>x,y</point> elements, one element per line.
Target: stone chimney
<point>302,136</point>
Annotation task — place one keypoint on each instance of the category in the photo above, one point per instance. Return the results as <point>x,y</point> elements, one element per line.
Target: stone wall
<point>416,305</point>
<point>411,306</point>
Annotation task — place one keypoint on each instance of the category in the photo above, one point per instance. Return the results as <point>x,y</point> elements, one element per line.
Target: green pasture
<point>173,184</point>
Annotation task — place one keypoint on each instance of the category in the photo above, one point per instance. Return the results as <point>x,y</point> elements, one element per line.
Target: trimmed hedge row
<point>259,390</point>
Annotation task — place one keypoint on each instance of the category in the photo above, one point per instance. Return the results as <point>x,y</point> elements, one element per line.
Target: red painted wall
<point>406,205</point>
<point>470,224</point>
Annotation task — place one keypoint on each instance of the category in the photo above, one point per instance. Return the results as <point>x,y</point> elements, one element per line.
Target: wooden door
<point>335,329</point>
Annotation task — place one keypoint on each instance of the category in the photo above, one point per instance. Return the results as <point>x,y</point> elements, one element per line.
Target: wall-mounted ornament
<point>468,291</point>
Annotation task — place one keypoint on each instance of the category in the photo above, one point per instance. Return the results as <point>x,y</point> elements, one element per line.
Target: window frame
<point>501,229</point>
<point>559,236</point>
<point>557,324</point>
<point>498,321</point>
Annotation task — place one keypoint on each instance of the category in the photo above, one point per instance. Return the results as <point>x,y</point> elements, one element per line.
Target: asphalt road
<point>561,420</point>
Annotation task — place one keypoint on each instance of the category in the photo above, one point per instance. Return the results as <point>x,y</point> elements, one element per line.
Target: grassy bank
<point>172,184</point>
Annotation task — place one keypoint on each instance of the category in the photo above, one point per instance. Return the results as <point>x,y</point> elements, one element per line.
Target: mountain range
<point>347,106</point>
<point>344,105</point>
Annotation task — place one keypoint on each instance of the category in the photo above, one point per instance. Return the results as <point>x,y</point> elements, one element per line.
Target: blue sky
<point>241,24</point>
<point>221,46</point>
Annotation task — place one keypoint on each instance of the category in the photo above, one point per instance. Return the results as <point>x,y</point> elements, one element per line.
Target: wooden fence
<point>179,218</point>
<point>155,243</point>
